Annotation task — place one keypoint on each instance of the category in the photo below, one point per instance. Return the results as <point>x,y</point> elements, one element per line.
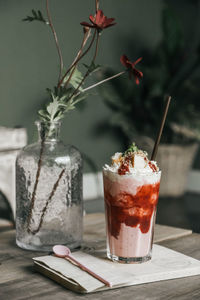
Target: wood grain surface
<point>19,280</point>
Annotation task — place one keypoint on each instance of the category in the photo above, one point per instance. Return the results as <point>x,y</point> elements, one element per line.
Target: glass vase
<point>49,192</point>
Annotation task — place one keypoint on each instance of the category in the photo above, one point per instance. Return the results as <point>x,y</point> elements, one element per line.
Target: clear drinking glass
<point>49,192</point>
<point>130,208</point>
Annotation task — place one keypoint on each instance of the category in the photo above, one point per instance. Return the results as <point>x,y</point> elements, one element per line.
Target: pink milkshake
<point>131,188</point>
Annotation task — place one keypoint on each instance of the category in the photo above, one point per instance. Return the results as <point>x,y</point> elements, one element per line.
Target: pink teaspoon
<point>64,252</point>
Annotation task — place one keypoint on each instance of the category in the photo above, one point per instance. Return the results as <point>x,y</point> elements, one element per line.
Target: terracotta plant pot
<point>175,161</point>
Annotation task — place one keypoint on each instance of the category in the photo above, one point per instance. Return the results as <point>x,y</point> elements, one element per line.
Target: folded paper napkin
<point>166,264</point>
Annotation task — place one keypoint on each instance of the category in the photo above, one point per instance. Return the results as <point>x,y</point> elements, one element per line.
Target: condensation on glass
<point>49,192</point>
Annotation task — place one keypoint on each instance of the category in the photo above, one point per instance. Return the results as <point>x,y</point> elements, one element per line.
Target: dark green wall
<point>29,64</point>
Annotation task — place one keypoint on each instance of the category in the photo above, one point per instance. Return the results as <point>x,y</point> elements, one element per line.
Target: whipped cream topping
<point>136,162</point>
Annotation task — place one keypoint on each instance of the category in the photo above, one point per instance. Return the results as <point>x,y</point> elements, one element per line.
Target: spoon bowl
<point>61,251</point>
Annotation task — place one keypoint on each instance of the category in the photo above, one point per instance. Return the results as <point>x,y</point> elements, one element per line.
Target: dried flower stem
<point>77,60</point>
<point>103,81</point>
<point>97,5</point>
<point>96,48</point>
<point>55,38</point>
<point>88,72</point>
<point>35,185</point>
<point>85,38</point>
<point>48,201</point>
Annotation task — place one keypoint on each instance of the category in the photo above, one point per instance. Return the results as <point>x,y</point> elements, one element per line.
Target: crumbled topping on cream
<point>131,163</point>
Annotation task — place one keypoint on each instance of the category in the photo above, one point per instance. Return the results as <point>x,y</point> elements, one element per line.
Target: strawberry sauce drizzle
<point>152,166</point>
<point>132,210</point>
<point>124,167</point>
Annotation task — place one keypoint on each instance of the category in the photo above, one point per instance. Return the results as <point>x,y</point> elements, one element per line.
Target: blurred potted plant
<point>170,69</point>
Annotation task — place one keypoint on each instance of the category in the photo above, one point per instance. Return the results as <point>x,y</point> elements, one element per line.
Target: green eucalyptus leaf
<point>52,108</point>
<point>44,115</point>
<point>34,13</point>
<point>92,67</point>
<point>75,80</point>
<point>36,16</point>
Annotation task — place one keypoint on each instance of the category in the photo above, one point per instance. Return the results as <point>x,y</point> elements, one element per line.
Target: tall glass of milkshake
<point>131,188</point>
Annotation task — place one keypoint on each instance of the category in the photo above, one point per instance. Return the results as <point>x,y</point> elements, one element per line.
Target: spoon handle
<point>84,268</point>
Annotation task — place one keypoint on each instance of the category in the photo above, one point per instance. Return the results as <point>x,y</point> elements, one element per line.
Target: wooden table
<point>19,280</point>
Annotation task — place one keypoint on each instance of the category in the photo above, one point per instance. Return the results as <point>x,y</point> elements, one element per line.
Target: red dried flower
<point>131,68</point>
<point>99,21</point>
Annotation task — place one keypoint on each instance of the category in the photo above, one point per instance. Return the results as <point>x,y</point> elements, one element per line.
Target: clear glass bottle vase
<point>49,192</point>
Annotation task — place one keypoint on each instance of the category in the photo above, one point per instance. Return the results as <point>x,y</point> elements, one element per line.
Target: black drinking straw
<point>155,149</point>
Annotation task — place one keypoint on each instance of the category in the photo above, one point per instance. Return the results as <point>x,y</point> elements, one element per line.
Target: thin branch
<point>96,48</point>
<point>77,60</point>
<point>55,38</point>
<point>97,5</point>
<point>85,38</point>
<point>103,81</point>
<point>88,72</point>
<point>47,202</point>
<point>35,185</point>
